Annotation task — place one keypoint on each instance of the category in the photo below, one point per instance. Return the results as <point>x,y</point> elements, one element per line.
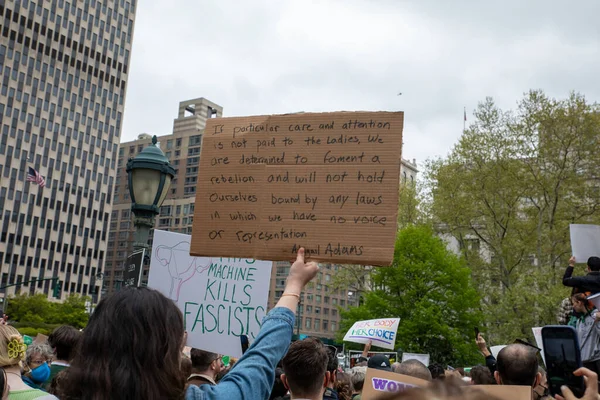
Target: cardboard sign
<point>505,392</point>
<point>424,358</point>
<point>40,339</point>
<point>378,383</point>
<point>382,332</point>
<point>220,298</point>
<point>268,185</point>
<point>585,241</point>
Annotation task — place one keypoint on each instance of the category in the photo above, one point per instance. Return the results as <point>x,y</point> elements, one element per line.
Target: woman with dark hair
<point>131,349</point>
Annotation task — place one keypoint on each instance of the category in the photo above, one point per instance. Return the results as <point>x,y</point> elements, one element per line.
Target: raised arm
<point>253,375</point>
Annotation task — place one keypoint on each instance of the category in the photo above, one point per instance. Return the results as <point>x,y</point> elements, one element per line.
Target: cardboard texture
<point>378,383</point>
<point>505,392</point>
<point>40,339</point>
<point>268,185</point>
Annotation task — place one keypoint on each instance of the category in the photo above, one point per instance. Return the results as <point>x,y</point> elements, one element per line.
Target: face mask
<point>41,373</point>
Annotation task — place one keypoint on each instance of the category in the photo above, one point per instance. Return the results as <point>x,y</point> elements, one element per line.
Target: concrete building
<point>64,68</point>
<point>182,148</point>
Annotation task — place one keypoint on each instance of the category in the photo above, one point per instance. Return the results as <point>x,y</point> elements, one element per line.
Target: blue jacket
<point>253,375</point>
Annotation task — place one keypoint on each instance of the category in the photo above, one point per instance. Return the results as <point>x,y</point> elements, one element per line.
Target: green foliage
<point>513,183</point>
<point>38,312</point>
<point>33,332</point>
<point>430,290</point>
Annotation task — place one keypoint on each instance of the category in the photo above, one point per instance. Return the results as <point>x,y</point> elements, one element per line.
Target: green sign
<point>225,360</point>
<point>27,340</point>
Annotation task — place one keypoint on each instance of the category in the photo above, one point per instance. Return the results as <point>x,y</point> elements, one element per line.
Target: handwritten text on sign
<point>220,298</point>
<point>382,332</point>
<point>268,185</point>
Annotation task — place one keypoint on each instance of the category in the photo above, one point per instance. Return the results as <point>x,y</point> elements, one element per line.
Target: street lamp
<point>149,177</point>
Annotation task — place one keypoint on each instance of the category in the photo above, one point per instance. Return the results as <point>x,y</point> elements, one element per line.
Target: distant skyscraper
<point>63,73</point>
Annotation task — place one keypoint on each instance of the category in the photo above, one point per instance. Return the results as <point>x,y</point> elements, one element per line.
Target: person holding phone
<point>588,330</point>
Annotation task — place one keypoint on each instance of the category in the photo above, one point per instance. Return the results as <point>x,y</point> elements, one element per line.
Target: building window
<point>308,323</point>
<point>333,326</point>
<point>317,324</point>
<point>169,144</point>
<point>309,309</point>
<point>195,140</point>
<point>325,325</point>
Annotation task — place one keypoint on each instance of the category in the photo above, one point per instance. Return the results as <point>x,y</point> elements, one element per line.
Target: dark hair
<point>582,297</point>
<point>481,375</point>
<point>186,367</point>
<point>201,359</point>
<point>594,263</point>
<point>279,389</point>
<point>332,362</point>
<point>131,349</point>
<point>63,340</point>
<point>517,364</point>
<point>305,367</point>
<point>3,382</point>
<point>437,371</point>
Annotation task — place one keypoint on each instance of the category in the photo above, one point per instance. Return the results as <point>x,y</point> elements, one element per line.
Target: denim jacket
<point>253,375</point>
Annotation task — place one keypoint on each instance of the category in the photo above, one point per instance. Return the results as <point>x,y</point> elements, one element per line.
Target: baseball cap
<point>379,361</point>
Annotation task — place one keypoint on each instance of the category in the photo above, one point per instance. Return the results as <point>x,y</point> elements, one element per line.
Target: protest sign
<point>133,268</point>
<point>496,349</point>
<point>424,358</point>
<point>382,332</point>
<point>504,392</point>
<point>220,298</point>
<point>328,182</point>
<point>585,241</point>
<point>379,382</point>
<point>40,339</point>
<point>537,334</point>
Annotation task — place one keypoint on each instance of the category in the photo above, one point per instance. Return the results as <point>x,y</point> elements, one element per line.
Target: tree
<point>38,311</point>
<point>513,183</point>
<point>429,289</point>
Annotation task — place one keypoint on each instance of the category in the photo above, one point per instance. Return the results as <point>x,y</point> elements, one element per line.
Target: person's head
<point>37,362</point>
<point>580,303</point>
<point>207,363</point>
<point>542,390</point>
<point>305,369</point>
<point>413,368</point>
<point>130,349</point>
<point>481,375</point>
<point>593,264</point>
<point>279,389</point>
<point>3,385</point>
<point>332,364</point>
<point>186,366</point>
<point>517,364</point>
<point>12,348</point>
<point>63,340</point>
<point>437,371</point>
<point>343,386</point>
<point>379,361</point>
<point>357,377</point>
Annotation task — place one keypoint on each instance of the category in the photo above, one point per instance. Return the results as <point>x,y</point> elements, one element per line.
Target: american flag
<point>34,176</point>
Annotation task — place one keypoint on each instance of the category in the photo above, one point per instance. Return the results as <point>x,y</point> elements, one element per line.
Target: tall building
<point>182,148</point>
<point>64,68</point>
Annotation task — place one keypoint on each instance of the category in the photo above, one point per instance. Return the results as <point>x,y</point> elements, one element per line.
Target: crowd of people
<point>132,348</point>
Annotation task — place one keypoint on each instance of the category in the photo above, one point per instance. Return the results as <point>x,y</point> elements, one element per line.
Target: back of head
<point>64,340</point>
<point>333,362</point>
<point>305,367</point>
<point>201,359</point>
<point>517,364</point>
<point>186,366</point>
<point>414,368</point>
<point>357,377</point>
<point>12,348</point>
<point>481,375</point>
<point>130,349</point>
<point>594,263</point>
<point>343,386</point>
<point>279,389</point>
<point>437,371</point>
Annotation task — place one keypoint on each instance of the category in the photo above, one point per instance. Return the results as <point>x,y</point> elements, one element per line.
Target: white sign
<point>496,349</point>
<point>220,298</point>
<point>585,241</point>
<point>382,332</point>
<point>537,334</point>
<point>424,358</point>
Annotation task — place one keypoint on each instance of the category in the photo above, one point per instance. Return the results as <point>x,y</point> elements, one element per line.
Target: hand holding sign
<point>300,274</point>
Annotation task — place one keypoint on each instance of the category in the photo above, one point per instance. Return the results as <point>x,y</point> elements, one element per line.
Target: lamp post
<point>149,177</point>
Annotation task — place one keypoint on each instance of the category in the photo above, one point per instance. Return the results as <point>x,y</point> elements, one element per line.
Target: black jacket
<point>587,283</point>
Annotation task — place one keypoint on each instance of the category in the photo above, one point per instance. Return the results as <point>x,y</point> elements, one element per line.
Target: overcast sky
<point>277,56</point>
